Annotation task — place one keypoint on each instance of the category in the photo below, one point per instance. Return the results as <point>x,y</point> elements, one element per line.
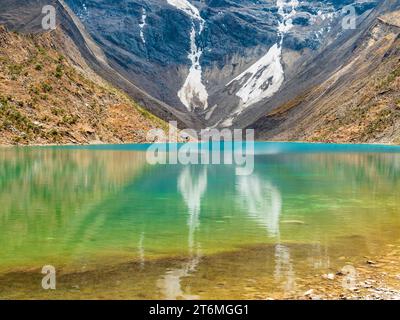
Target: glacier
<point>266,76</point>
<point>193,93</point>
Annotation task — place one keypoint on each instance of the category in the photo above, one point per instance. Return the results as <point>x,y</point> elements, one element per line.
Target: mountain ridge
<point>187,58</point>
<point>358,102</point>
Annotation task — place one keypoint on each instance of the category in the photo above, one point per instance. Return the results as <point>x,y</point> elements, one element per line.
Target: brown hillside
<point>46,97</point>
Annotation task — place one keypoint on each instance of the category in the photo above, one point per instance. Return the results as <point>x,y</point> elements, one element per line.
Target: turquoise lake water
<point>115,226</point>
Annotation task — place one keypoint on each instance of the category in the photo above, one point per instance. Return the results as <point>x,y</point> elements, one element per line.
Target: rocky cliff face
<point>280,66</point>
<point>214,60</point>
<point>356,100</point>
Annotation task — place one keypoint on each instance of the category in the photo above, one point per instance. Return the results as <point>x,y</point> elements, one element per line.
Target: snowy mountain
<point>215,59</point>
<point>273,65</point>
<point>348,92</point>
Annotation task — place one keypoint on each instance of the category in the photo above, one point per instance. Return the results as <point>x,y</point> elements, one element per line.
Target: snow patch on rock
<point>265,77</point>
<point>143,24</point>
<point>193,93</point>
<point>186,7</point>
<point>83,12</point>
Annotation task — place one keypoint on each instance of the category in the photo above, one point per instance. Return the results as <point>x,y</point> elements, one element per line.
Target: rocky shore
<point>377,279</point>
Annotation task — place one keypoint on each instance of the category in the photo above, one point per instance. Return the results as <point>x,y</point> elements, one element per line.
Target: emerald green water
<point>191,231</point>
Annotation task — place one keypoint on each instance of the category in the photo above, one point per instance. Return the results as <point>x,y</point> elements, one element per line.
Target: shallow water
<point>117,227</point>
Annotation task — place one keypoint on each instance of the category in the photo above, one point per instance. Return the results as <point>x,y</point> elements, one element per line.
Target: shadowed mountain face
<point>357,100</point>
<point>213,59</point>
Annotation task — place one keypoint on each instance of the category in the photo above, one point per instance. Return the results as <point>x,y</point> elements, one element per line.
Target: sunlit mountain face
<point>212,58</point>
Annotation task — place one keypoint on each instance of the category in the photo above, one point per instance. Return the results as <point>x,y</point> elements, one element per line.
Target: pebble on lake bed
<point>329,276</point>
<point>309,292</point>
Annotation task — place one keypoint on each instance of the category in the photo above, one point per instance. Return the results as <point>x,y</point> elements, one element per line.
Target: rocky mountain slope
<point>284,67</point>
<point>359,101</point>
<point>26,16</point>
<point>214,61</point>
<point>46,97</point>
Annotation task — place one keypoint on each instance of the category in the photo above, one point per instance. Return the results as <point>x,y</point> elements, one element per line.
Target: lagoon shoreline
<point>98,143</point>
<point>377,279</point>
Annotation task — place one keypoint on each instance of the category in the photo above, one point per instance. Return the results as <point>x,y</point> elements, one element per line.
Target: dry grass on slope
<point>45,98</point>
<point>370,115</point>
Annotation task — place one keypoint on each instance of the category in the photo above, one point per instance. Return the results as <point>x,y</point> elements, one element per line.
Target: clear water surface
<point>117,227</point>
